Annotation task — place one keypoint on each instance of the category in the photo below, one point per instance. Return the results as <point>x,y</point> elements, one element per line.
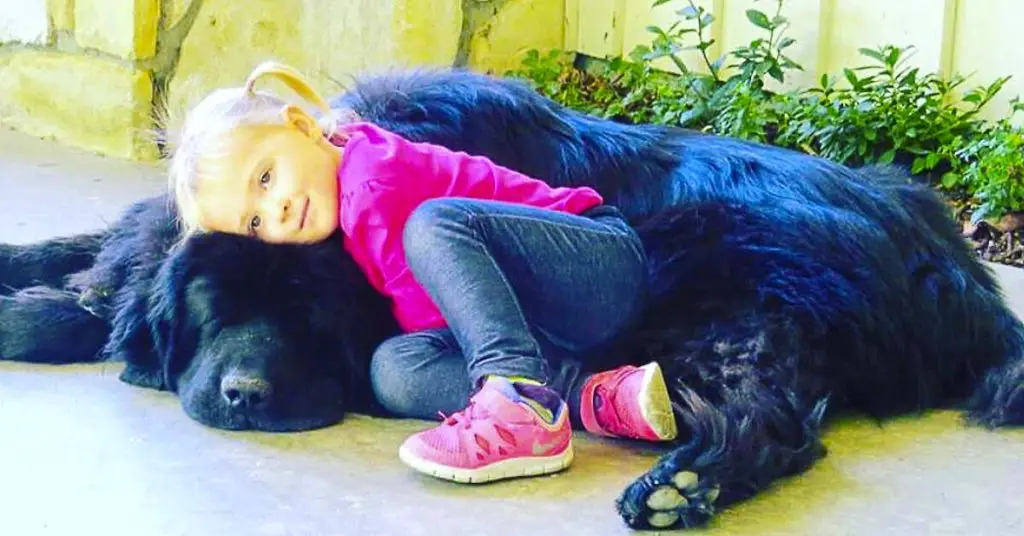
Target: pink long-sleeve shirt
<point>383,177</point>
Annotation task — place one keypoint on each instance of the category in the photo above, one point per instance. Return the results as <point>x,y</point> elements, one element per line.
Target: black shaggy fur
<point>784,286</point>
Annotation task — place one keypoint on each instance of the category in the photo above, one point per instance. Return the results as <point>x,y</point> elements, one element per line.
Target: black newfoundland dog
<point>785,285</point>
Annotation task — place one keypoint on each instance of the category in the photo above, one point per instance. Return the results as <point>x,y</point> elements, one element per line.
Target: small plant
<point>552,75</point>
<point>884,111</point>
<point>729,99</point>
<point>888,112</point>
<point>993,169</point>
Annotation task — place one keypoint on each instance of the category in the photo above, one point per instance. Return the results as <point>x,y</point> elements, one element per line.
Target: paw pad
<point>665,498</point>
<point>661,520</point>
<point>683,498</point>
<point>685,480</point>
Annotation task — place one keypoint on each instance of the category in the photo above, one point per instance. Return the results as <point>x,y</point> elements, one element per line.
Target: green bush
<point>990,168</point>
<point>884,111</point>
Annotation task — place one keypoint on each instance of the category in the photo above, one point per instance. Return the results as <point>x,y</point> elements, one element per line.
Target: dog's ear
<point>343,312</point>
<point>171,327</point>
<point>130,341</point>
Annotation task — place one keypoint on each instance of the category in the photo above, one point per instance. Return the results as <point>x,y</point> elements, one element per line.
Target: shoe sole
<point>511,468</point>
<point>654,394</point>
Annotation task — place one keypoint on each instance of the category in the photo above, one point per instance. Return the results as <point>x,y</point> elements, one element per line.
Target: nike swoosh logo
<point>539,448</point>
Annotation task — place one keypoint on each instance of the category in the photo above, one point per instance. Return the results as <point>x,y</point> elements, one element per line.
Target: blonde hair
<point>216,115</point>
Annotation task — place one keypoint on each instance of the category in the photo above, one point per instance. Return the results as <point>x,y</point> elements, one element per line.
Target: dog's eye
<point>265,178</point>
<point>254,224</point>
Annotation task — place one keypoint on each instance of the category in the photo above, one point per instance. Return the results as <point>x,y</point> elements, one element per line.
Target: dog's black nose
<point>245,392</point>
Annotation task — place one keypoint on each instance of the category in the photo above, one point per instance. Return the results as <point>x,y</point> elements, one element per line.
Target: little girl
<point>494,277</point>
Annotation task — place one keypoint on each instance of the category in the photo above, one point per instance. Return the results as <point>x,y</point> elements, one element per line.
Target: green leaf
<point>910,78</point>
<point>660,2</point>
<point>786,42</point>
<point>894,56</point>
<point>759,19</point>
<point>690,115</point>
<point>640,53</point>
<point>656,54</point>
<point>656,30</point>
<point>776,72</point>
<point>981,213</point>
<point>852,78</point>
<point>790,64</point>
<point>689,12</point>
<point>871,53</point>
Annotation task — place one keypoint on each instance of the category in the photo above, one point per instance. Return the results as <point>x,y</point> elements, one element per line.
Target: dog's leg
<point>743,425</point>
<point>132,342</point>
<point>45,325</point>
<point>46,263</point>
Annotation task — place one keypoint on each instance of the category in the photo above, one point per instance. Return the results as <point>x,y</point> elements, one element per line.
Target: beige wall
<point>91,73</point>
<point>976,37</point>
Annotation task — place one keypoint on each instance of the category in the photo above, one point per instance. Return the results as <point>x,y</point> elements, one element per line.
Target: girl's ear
<point>297,118</point>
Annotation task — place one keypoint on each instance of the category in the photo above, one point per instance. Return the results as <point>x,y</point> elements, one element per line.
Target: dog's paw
<point>666,501</point>
<point>94,300</point>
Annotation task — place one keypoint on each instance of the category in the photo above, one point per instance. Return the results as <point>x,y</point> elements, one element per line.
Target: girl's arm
<point>424,171</point>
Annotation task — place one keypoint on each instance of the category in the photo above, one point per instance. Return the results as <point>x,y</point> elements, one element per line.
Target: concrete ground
<point>83,454</point>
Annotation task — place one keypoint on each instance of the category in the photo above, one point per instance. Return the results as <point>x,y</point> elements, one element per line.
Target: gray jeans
<point>525,292</point>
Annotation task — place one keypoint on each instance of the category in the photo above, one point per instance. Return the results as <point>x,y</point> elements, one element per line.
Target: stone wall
<point>91,73</point>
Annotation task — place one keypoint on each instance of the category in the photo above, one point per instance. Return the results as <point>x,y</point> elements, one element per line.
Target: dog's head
<point>255,336</point>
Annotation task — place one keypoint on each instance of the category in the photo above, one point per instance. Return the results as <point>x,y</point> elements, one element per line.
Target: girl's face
<point>274,182</point>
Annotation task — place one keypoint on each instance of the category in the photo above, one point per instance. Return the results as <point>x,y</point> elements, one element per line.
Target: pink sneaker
<point>498,436</point>
<point>628,402</point>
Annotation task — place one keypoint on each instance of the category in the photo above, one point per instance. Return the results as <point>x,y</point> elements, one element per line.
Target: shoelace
<point>464,417</point>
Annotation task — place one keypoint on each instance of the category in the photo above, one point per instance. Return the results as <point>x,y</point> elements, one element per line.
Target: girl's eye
<point>254,224</point>
<point>265,178</point>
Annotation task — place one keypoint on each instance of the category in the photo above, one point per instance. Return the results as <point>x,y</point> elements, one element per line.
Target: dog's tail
<point>969,317</point>
<point>47,263</point>
<point>999,398</point>
<point>46,325</point>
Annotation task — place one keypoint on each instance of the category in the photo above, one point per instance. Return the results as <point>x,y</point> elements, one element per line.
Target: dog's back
<point>932,316</point>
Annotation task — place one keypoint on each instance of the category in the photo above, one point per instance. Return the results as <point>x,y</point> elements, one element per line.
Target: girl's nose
<point>285,207</point>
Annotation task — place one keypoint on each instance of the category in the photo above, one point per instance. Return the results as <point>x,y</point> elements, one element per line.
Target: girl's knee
<point>389,376</point>
<point>404,370</point>
<point>432,220</point>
